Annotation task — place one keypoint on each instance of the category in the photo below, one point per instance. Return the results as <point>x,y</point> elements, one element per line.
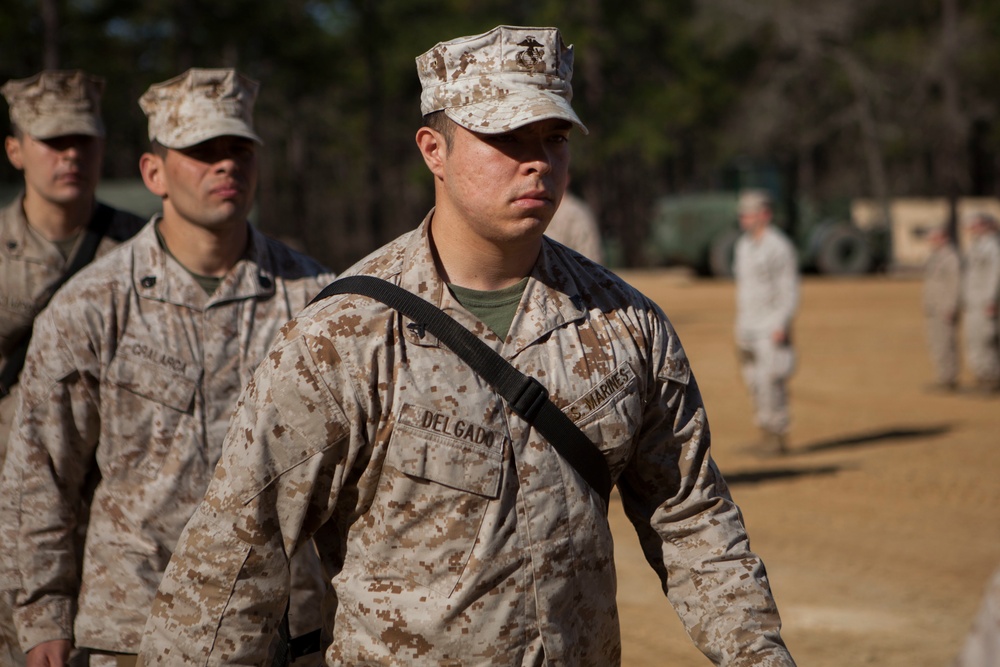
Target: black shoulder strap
<point>92,235</point>
<point>525,395</point>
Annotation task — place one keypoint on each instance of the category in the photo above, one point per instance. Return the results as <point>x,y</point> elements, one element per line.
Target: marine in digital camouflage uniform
<point>765,266</point>
<point>57,140</point>
<point>981,301</point>
<point>942,288</point>
<point>453,532</point>
<point>132,374</point>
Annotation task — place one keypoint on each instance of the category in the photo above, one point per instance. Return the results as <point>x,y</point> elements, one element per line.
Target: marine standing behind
<point>575,226</point>
<point>767,296</point>
<point>54,225</point>
<point>942,290</point>
<point>981,302</point>
<point>132,375</point>
<point>453,532</point>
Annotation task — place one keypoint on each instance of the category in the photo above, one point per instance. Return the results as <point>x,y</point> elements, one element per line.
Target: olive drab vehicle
<point>699,230</point>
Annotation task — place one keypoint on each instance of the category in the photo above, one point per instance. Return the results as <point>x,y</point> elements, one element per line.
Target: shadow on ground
<point>775,474</point>
<point>895,435</point>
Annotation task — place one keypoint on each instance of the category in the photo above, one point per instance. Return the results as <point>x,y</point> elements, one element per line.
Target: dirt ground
<point>882,525</point>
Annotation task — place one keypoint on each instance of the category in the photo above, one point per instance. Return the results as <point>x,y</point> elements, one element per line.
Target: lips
<point>227,190</point>
<point>535,196</point>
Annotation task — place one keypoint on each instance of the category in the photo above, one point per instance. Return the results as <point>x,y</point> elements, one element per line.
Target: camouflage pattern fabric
<point>767,294</point>
<point>499,80</point>
<point>30,266</point>
<point>455,535</point>
<point>198,105</point>
<point>56,103</point>
<point>942,287</point>
<point>980,292</point>
<point>132,374</point>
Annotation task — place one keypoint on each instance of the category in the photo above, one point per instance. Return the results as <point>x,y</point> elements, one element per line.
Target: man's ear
<point>433,148</point>
<point>152,169</point>
<point>13,148</point>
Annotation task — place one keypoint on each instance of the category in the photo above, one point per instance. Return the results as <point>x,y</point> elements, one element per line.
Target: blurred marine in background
<point>942,295</point>
<point>52,229</point>
<point>574,225</point>
<point>767,294</point>
<point>131,377</point>
<point>981,301</point>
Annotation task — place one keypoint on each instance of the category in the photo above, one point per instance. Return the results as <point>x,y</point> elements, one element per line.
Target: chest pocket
<point>439,475</point>
<point>152,411</point>
<point>610,414</point>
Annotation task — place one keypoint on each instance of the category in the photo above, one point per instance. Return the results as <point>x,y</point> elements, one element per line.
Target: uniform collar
<point>18,241</point>
<point>156,275</point>
<point>551,298</point>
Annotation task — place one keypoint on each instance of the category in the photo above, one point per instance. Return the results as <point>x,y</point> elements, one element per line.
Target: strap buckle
<point>530,399</point>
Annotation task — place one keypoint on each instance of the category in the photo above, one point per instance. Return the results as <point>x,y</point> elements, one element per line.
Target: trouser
<point>10,650</point>
<point>942,343</point>
<point>982,346</point>
<point>766,367</point>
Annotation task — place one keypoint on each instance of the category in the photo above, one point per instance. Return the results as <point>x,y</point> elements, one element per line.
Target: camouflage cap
<point>199,105</point>
<point>751,201</point>
<point>56,103</point>
<point>500,80</point>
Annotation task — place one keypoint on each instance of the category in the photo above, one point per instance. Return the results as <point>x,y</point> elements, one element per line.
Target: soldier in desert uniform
<point>942,289</point>
<point>132,375</point>
<point>452,530</point>
<point>50,230</point>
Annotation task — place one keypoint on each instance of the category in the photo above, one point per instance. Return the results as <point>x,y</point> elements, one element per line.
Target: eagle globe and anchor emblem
<point>532,54</point>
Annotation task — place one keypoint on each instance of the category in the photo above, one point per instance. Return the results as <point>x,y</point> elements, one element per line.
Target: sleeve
<point>282,468</point>
<point>50,459</point>
<point>691,531</point>
<point>787,297</point>
<point>953,283</point>
<point>992,286</point>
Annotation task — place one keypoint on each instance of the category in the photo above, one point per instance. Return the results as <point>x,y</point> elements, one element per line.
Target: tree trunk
<point>50,40</point>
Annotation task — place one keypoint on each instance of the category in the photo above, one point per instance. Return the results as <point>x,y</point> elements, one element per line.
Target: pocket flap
<point>446,460</point>
<point>153,381</point>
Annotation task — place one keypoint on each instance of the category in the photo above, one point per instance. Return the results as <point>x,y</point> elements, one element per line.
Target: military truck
<point>699,230</point>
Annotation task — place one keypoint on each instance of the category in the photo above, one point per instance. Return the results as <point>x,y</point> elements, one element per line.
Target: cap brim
<point>192,136</point>
<point>513,111</point>
<point>51,127</point>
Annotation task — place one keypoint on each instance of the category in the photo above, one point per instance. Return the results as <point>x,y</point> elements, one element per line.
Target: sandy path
<point>882,526</point>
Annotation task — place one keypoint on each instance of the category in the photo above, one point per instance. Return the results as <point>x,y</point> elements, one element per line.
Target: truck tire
<point>720,253</point>
<point>843,251</point>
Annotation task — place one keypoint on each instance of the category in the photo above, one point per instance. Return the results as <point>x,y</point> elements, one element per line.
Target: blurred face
<point>506,186</point>
<point>755,220</point>
<point>211,184</point>
<point>63,170</point>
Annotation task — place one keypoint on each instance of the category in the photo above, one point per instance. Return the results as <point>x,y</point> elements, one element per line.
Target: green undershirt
<point>496,308</point>
<point>207,283</point>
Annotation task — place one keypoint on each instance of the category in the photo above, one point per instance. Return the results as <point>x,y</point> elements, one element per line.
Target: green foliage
<point>672,90</point>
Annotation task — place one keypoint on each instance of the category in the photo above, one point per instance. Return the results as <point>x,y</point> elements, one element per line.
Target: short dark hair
<point>439,122</point>
<point>158,149</point>
<point>16,132</point>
